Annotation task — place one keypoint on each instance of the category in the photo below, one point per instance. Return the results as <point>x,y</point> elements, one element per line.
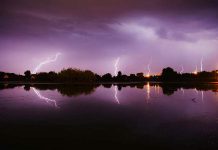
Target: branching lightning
<point>115,94</point>
<point>44,98</point>
<point>49,60</point>
<point>116,66</point>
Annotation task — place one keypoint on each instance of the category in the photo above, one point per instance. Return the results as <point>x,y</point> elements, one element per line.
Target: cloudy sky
<point>92,34</point>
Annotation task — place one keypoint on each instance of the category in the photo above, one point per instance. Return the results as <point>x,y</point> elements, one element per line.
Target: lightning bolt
<point>201,64</point>
<point>115,94</point>
<point>149,68</point>
<point>44,98</point>
<point>49,60</point>
<point>116,66</point>
<point>182,70</point>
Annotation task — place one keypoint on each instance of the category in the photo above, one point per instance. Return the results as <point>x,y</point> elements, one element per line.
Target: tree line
<point>71,75</point>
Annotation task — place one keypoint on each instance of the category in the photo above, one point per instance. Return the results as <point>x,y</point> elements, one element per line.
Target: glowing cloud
<point>116,66</point>
<point>49,60</point>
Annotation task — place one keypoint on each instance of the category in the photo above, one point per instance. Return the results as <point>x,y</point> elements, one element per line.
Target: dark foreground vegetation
<point>79,76</point>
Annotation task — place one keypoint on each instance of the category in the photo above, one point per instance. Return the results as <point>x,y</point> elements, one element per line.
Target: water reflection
<point>68,90</point>
<point>71,90</point>
<point>148,90</point>
<point>44,98</point>
<point>196,90</point>
<point>167,116</point>
<point>202,96</point>
<point>183,91</point>
<point>115,94</point>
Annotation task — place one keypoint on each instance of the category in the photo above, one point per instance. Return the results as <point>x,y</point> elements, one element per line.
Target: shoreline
<point>115,83</point>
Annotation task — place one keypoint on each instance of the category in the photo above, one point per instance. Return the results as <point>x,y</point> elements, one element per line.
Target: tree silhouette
<point>168,74</point>
<point>119,74</point>
<point>27,75</point>
<point>140,76</point>
<point>107,77</point>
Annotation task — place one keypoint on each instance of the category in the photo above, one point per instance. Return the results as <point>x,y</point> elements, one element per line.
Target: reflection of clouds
<point>115,94</point>
<point>44,98</point>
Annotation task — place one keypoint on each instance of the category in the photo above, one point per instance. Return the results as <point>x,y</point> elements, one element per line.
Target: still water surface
<point>152,115</point>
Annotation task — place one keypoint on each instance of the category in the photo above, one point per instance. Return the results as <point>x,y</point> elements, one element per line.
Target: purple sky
<point>92,34</point>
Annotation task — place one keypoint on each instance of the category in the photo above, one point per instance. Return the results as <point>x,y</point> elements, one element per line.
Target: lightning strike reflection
<point>202,96</point>
<point>116,93</point>
<point>196,91</point>
<point>183,91</point>
<point>44,98</point>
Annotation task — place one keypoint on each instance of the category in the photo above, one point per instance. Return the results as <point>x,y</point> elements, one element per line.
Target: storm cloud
<point>91,34</point>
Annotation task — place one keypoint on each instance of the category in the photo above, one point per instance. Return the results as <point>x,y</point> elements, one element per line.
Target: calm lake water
<point>155,115</point>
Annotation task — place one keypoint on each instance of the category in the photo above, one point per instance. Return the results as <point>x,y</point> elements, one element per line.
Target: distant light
<point>147,75</point>
<point>196,70</point>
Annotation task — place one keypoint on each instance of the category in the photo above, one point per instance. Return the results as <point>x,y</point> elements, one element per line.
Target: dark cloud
<point>98,30</point>
<point>30,15</point>
<point>37,17</point>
